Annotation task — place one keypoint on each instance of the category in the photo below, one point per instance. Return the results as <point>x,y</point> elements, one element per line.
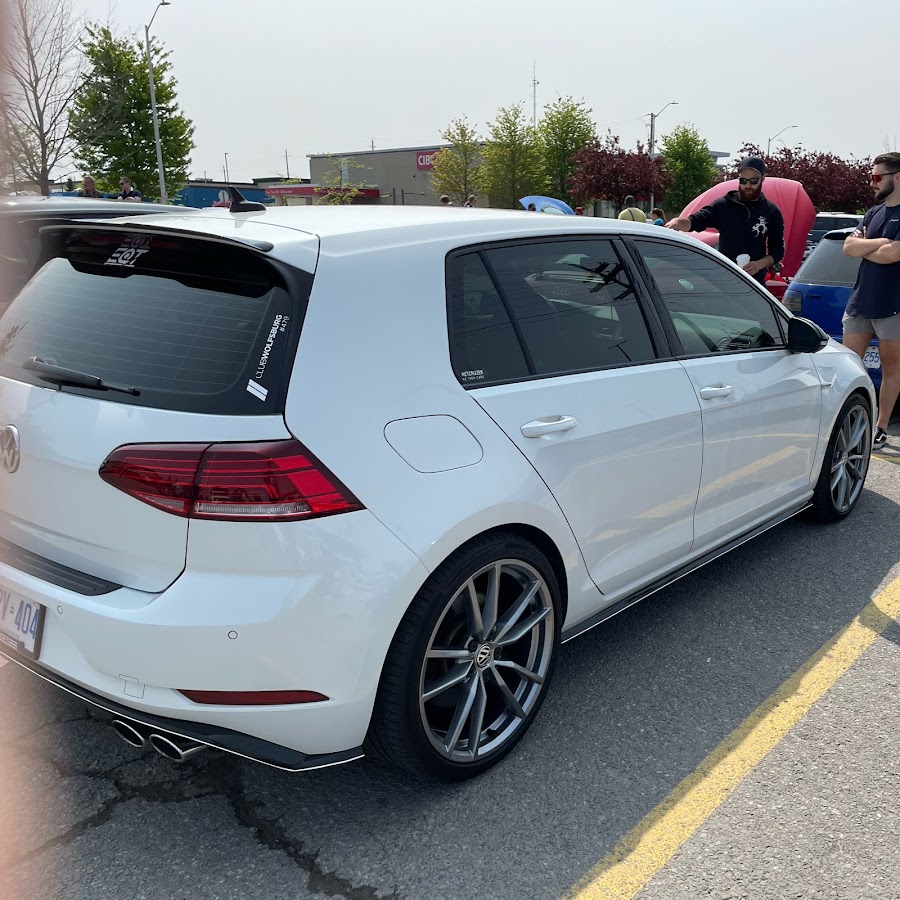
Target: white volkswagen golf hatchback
<point>302,484</point>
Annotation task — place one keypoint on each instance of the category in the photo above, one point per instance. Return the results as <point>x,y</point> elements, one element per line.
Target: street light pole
<point>783,130</point>
<point>653,118</point>
<point>226,167</point>
<point>159,160</point>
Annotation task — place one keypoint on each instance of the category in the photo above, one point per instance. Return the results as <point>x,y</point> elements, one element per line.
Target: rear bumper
<point>244,745</point>
<point>304,606</point>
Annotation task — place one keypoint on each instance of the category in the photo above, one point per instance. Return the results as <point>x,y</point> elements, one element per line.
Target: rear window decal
<point>257,390</point>
<point>130,251</point>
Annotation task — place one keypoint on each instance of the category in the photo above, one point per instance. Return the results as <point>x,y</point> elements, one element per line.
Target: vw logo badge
<point>9,448</point>
<point>484,656</point>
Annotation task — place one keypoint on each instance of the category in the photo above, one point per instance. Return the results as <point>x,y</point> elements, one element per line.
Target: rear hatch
<point>821,288</point>
<point>193,340</point>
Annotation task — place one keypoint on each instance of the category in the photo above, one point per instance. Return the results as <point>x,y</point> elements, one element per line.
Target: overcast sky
<point>266,76</point>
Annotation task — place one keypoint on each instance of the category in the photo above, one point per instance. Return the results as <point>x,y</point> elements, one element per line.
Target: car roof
<point>62,206</point>
<point>362,227</point>
<point>825,215</point>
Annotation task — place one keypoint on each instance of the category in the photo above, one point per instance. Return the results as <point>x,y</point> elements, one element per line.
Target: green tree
<point>513,164</point>
<point>112,120</point>
<point>566,127</point>
<point>338,187</point>
<point>457,168</point>
<point>687,159</point>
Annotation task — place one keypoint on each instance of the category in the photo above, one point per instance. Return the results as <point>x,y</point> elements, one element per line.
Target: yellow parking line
<point>891,459</point>
<point>652,843</point>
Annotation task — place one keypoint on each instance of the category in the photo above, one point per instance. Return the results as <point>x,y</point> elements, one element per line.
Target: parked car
<point>351,476</point>
<point>21,219</point>
<point>832,221</point>
<point>822,288</point>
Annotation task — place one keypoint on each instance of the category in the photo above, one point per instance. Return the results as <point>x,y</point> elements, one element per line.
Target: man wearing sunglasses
<point>129,191</point>
<point>874,306</point>
<point>748,223</point>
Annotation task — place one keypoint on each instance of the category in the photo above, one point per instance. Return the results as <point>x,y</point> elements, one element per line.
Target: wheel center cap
<point>484,655</point>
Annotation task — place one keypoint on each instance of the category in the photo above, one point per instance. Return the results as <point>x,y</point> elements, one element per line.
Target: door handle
<point>540,427</point>
<point>716,390</point>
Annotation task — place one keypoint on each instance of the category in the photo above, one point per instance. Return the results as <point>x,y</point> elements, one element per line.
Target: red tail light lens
<point>259,482</point>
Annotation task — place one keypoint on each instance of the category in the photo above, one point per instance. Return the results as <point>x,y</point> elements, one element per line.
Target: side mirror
<point>805,336</point>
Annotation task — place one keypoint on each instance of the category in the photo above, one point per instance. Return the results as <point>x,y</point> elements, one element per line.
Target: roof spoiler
<point>241,205</point>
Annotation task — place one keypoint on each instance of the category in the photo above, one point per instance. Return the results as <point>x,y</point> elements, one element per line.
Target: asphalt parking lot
<point>636,707</point>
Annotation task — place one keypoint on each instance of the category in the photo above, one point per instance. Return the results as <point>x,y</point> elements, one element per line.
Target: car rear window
<point>827,265</point>
<point>826,223</point>
<point>193,325</point>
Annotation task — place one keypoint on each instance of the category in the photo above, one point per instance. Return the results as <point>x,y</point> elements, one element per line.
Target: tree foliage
<point>40,77</point>
<point>606,171</point>
<point>565,128</point>
<point>457,168</point>
<point>112,120</point>
<point>513,165</point>
<point>687,159</point>
<point>338,186</point>
<point>833,184</point>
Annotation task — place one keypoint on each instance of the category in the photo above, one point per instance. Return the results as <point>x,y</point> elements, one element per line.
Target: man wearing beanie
<point>747,221</point>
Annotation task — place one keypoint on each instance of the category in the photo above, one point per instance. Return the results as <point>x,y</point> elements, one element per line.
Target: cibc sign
<point>425,160</point>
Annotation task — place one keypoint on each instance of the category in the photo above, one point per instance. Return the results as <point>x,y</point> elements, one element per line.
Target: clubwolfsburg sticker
<point>279,323</point>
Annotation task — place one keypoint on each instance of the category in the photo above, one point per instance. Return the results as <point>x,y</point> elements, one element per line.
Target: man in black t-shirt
<point>129,191</point>
<point>874,305</point>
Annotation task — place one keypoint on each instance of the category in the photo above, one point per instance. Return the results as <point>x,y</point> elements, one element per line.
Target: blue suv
<point>821,289</point>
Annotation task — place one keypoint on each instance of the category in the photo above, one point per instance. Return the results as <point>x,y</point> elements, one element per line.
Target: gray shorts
<point>884,329</point>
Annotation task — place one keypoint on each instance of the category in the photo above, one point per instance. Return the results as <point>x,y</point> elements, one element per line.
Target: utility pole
<point>226,167</point>
<point>653,118</point>
<point>534,84</point>
<point>373,144</point>
<point>287,166</point>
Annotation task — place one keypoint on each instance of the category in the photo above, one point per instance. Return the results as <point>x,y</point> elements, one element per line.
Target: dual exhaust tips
<point>178,749</point>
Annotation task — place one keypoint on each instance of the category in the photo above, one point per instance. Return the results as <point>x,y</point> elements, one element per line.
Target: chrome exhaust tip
<point>129,733</point>
<point>175,748</point>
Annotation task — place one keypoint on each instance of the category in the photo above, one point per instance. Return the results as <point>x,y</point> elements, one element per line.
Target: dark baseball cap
<point>753,162</point>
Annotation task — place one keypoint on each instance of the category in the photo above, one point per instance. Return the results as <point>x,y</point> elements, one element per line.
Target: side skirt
<point>644,592</point>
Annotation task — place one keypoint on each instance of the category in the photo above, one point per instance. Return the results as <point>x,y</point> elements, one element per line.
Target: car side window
<point>711,307</point>
<point>574,304</point>
<point>484,346</point>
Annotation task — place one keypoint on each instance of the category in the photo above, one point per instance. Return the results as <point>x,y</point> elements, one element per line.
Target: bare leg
<point>858,343</point>
<point>890,380</point>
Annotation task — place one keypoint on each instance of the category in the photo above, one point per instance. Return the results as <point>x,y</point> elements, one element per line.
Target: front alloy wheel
<point>846,462</point>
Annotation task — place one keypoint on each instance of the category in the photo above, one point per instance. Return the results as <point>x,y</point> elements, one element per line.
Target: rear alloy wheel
<point>470,664</point>
<point>846,462</point>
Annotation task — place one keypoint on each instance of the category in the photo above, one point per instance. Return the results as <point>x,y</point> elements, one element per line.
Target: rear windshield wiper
<point>63,376</point>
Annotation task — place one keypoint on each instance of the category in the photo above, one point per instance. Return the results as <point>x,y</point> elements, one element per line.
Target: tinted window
<point>829,222</point>
<point>193,325</point>
<point>574,303</point>
<point>484,346</point>
<point>712,308</point>
<point>827,265</point>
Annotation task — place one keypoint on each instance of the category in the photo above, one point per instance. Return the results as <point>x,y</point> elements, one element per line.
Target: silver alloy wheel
<point>487,660</point>
<point>850,460</point>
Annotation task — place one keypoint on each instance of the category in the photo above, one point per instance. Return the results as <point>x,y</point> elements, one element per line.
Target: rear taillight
<point>260,482</point>
<point>253,698</point>
<point>793,300</point>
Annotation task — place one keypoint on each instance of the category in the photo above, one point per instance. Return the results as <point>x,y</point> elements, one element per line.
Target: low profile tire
<point>846,462</point>
<point>470,663</point>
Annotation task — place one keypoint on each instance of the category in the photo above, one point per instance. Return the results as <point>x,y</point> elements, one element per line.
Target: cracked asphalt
<point>635,706</point>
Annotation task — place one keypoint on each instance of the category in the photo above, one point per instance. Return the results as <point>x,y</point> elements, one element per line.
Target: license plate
<point>20,622</point>
<point>872,359</point>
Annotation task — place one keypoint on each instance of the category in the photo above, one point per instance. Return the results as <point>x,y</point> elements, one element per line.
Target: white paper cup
<point>743,259</point>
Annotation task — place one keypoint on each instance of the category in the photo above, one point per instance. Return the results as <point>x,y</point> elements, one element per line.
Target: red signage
<point>425,160</point>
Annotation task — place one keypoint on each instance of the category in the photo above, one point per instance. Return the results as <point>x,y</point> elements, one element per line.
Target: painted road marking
<point>652,843</point>
<point>891,459</point>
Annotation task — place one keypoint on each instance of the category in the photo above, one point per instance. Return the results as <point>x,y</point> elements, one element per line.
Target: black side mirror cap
<point>805,336</point>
